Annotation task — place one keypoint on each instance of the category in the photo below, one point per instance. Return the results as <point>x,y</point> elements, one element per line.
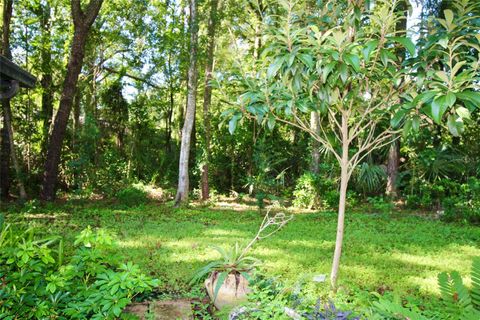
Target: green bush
<point>315,192</point>
<point>132,196</point>
<point>465,204</point>
<point>37,284</point>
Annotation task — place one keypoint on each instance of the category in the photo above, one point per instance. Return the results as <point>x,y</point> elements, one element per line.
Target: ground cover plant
<point>384,255</point>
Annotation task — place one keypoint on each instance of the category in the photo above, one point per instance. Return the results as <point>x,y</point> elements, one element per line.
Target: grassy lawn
<point>383,251</point>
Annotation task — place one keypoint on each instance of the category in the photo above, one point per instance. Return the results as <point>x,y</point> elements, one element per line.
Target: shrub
<point>465,204</point>
<point>132,196</point>
<point>37,284</point>
<point>315,192</point>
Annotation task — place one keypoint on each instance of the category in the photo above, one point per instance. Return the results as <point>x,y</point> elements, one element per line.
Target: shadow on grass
<point>402,253</point>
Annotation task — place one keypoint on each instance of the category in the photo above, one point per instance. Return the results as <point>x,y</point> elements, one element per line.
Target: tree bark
<point>7,115</point>
<point>344,177</point>
<point>207,95</point>
<point>5,145</point>
<point>47,80</point>
<point>315,125</point>
<point>392,169</point>
<point>183,179</point>
<point>4,162</point>
<point>394,151</point>
<point>7,111</point>
<point>82,23</point>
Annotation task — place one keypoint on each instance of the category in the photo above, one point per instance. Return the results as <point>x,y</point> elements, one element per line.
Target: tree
<point>207,94</point>
<point>183,178</point>
<point>7,111</point>
<point>352,76</point>
<point>82,21</point>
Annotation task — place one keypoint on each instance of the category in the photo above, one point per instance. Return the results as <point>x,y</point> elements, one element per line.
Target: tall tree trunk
<point>183,179</point>
<point>7,111</point>
<point>47,80</point>
<point>342,202</point>
<point>394,151</point>
<point>207,95</point>
<point>315,125</point>
<point>4,161</point>
<point>392,169</point>
<point>5,139</point>
<point>82,22</point>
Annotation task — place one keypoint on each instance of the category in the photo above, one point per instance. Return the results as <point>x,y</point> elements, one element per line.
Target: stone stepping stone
<point>163,309</point>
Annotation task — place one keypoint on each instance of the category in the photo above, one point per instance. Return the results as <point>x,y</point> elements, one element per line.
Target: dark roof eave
<point>9,70</point>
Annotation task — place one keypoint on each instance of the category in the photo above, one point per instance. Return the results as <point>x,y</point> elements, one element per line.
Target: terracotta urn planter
<point>233,291</point>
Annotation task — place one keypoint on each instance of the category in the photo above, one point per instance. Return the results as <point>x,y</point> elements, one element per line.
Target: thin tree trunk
<point>207,95</point>
<point>47,80</point>
<point>315,125</point>
<point>392,169</point>
<point>394,151</point>
<point>7,114</point>
<point>344,177</point>
<point>183,179</point>
<point>82,23</point>
<point>4,162</point>
<point>7,111</point>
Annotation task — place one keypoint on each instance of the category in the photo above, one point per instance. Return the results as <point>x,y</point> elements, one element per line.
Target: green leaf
<point>352,60</point>
<point>470,96</point>
<point>220,280</point>
<point>448,16</point>
<point>271,122</point>
<point>455,126</point>
<point>450,99</point>
<point>424,97</point>
<point>369,47</point>
<point>397,118</point>
<point>442,75</point>
<point>232,124</point>
<point>326,70</point>
<point>275,66</point>
<point>463,112</point>
<point>384,57</point>
<point>306,59</point>
<point>406,42</point>
<point>406,127</point>
<point>416,123</point>
<point>343,72</point>
<point>438,107</point>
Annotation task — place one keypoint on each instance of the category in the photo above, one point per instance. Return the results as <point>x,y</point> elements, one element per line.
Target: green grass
<point>398,251</point>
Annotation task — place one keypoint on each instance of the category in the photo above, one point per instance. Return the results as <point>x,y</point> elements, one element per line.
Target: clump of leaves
<point>36,283</point>
<point>457,298</point>
<point>132,196</point>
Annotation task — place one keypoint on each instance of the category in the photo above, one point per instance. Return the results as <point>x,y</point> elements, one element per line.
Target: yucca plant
<point>460,302</point>
<point>232,261</point>
<point>236,260</point>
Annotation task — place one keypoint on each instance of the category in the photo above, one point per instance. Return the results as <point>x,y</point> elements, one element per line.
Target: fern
<point>476,283</point>
<point>459,302</point>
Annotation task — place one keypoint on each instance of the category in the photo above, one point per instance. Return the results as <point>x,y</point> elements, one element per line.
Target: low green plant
<point>132,196</point>
<point>271,299</point>
<point>459,302</point>
<point>380,204</point>
<point>37,284</point>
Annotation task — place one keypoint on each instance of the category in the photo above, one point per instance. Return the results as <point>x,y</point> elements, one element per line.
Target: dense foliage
<point>39,281</point>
